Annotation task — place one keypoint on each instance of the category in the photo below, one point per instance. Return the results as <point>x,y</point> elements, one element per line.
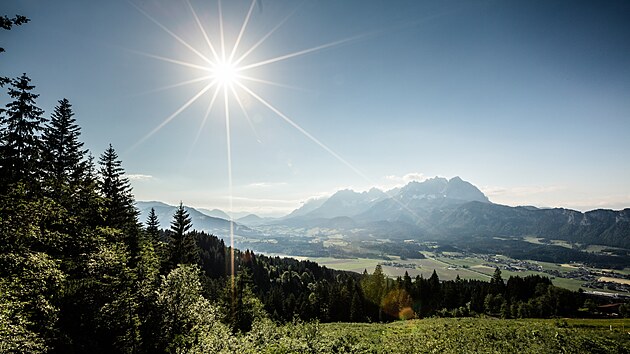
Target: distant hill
<point>200,221</point>
<point>215,213</point>
<point>254,220</point>
<point>603,227</point>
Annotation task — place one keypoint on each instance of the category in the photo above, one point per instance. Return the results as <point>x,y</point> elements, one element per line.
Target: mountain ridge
<point>434,209</point>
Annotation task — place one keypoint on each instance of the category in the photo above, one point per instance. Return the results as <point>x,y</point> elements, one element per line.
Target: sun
<point>225,73</point>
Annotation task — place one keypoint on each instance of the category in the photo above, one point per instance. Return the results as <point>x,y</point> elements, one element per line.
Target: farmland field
<point>449,267</point>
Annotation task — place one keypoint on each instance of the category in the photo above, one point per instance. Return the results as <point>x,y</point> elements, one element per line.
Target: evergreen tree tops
<point>20,138</point>
<point>63,152</point>
<point>181,221</point>
<point>183,249</point>
<point>115,188</point>
<point>153,227</point>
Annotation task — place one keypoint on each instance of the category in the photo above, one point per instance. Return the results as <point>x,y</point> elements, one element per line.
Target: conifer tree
<point>152,236</point>
<point>20,141</point>
<point>497,286</point>
<point>115,188</point>
<point>64,164</point>
<point>183,249</point>
<point>153,227</point>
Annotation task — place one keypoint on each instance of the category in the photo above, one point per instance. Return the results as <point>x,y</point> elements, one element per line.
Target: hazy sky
<point>528,100</point>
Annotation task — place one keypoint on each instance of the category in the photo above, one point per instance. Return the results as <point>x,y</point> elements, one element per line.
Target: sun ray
<point>170,60</point>
<point>326,148</point>
<point>230,190</point>
<point>179,84</point>
<point>225,73</point>
<point>272,83</point>
<point>205,118</point>
<point>203,31</point>
<point>240,34</point>
<point>301,52</point>
<point>249,121</point>
<point>179,39</point>
<point>264,38</point>
<point>222,35</point>
<point>301,130</point>
<point>173,115</point>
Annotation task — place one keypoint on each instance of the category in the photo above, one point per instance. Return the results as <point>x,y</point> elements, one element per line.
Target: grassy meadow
<point>460,335</point>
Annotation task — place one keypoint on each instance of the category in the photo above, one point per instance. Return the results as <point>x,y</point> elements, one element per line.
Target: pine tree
<point>183,249</point>
<point>181,221</point>
<point>407,282</point>
<point>153,227</point>
<point>115,187</point>
<point>20,142</point>
<point>497,286</point>
<point>64,164</point>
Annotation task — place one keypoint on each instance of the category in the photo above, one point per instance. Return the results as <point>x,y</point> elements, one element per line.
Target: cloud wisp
<point>139,177</point>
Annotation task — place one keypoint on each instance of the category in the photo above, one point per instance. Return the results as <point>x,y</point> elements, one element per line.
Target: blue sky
<point>528,100</point>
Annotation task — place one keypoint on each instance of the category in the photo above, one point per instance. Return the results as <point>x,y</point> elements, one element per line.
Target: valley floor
<point>463,335</point>
<point>481,267</point>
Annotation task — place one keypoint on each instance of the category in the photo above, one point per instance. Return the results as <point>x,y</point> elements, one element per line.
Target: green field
<point>449,268</point>
<point>423,267</point>
<point>465,335</point>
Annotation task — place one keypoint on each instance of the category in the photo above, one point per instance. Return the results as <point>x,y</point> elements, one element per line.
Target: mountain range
<point>435,209</point>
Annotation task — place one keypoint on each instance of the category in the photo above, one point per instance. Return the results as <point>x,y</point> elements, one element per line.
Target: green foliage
<point>16,333</point>
<point>476,336</point>
<point>28,315</point>
<point>435,336</point>
<point>243,306</point>
<point>189,323</point>
<point>374,285</point>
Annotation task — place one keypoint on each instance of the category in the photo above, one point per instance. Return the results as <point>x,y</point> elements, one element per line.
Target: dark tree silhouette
<point>153,227</point>
<point>183,249</point>
<point>8,23</point>
<point>116,189</point>
<point>63,164</point>
<point>21,143</point>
